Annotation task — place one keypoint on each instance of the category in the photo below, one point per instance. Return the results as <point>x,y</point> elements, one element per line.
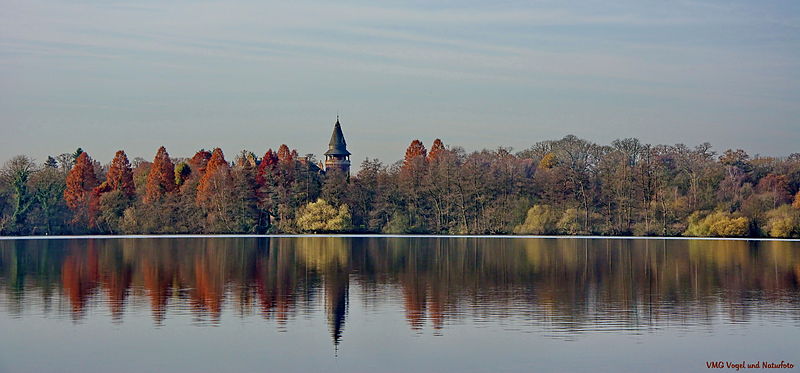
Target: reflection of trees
<point>80,276</point>
<point>563,284</point>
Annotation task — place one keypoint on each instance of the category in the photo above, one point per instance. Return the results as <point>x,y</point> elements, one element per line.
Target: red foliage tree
<point>217,167</point>
<point>267,165</point>
<point>414,154</point>
<point>436,149</point>
<point>777,186</point>
<point>161,179</point>
<point>199,161</point>
<point>119,177</point>
<point>284,154</point>
<point>81,180</point>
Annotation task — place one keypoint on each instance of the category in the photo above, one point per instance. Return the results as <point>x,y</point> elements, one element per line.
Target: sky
<point>237,74</point>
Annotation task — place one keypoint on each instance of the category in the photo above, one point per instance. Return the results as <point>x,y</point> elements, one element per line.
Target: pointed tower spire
<point>337,156</point>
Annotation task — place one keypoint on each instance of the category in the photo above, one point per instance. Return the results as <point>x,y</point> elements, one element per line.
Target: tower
<point>337,157</point>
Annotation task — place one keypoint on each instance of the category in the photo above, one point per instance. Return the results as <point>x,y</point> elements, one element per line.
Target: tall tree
<point>199,161</point>
<point>114,195</point>
<point>266,167</point>
<point>48,188</point>
<point>284,154</point>
<point>81,180</point>
<point>161,179</point>
<point>436,149</point>
<point>215,195</point>
<point>411,175</point>
<point>16,173</point>
<point>415,155</point>
<point>217,170</point>
<point>119,176</point>
<point>266,192</point>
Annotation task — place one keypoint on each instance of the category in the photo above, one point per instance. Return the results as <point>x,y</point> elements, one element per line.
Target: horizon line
<point>373,235</point>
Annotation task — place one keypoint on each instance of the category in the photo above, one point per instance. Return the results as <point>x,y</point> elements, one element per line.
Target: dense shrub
<point>717,224</point>
<point>541,219</point>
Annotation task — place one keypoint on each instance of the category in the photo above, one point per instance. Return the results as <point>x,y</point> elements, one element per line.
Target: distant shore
<point>352,235</point>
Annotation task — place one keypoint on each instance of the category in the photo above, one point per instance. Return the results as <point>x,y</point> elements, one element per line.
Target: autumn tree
<point>80,183</point>
<point>441,188</point>
<point>320,216</point>
<point>266,192</point>
<point>284,154</point>
<point>216,171</point>
<point>718,224</point>
<point>119,176</point>
<point>115,194</point>
<point>777,187</point>
<point>199,161</point>
<point>285,183</point>
<point>375,196</point>
<point>541,219</point>
<point>411,178</point>
<point>415,156</point>
<point>267,167</point>
<point>214,194</point>
<point>783,222</point>
<point>161,178</point>
<point>243,194</point>
<point>436,149</point>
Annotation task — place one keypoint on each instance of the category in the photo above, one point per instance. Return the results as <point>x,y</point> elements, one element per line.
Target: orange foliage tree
<point>199,162</point>
<point>119,177</point>
<point>161,179</point>
<point>217,170</point>
<point>284,154</point>
<point>415,157</point>
<point>81,180</point>
<point>436,149</point>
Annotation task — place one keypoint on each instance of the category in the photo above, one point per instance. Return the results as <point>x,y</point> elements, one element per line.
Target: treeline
<point>567,186</point>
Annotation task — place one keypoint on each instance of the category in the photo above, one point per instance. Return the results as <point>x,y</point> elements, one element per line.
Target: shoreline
<point>352,235</point>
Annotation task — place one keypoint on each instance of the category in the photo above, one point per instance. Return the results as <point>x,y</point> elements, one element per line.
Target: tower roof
<point>337,145</point>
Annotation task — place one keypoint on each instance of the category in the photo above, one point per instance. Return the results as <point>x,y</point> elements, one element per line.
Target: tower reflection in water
<point>565,286</point>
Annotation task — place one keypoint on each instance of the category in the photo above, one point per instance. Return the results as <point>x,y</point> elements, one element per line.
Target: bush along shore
<point>569,186</point>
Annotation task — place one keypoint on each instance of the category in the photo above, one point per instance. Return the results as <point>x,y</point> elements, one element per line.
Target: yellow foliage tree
<point>320,216</point>
<point>717,224</point>
<point>783,222</point>
<point>572,222</point>
<point>541,219</point>
<point>548,161</point>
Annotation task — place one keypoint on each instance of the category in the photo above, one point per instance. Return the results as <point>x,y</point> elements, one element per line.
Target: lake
<point>380,304</point>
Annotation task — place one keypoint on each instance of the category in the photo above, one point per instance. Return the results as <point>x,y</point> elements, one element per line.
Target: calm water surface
<point>395,304</point>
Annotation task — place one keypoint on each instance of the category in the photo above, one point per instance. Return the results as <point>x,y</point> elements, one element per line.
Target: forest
<point>569,186</point>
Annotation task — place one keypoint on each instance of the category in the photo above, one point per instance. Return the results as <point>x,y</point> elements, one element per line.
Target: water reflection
<point>563,286</point>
